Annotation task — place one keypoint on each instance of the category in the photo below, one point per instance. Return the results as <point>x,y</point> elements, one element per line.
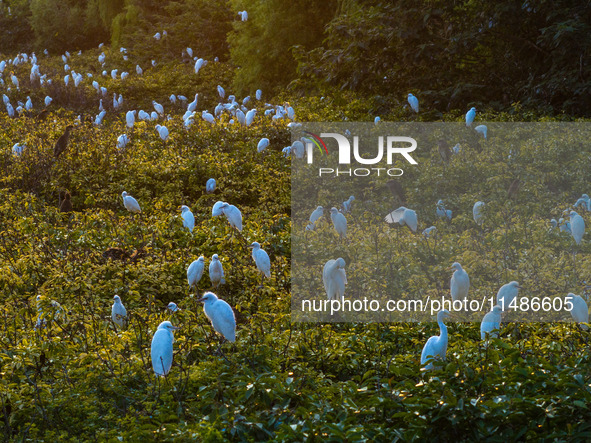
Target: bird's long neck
<point>442,330</point>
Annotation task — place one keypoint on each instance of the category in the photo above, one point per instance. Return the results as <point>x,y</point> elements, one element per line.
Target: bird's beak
<point>202,299</point>
<point>250,246</point>
<point>519,287</point>
<point>176,327</point>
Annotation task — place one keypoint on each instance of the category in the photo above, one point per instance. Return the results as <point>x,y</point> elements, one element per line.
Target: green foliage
<point>262,46</point>
<point>16,30</point>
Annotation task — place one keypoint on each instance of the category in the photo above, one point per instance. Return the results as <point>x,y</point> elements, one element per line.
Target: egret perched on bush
<point>482,129</point>
<point>580,310</point>
<point>162,132</point>
<point>298,149</point>
<point>158,107</point>
<point>263,143</point>
<point>334,278</point>
<point>216,271</point>
<point>339,222</point>
<point>161,350</point>
<point>470,116</point>
<point>262,261</point>
<point>243,15</point>
<point>195,271</point>
<point>188,218</point>
<point>118,312</point>
<point>138,70</point>
<point>347,204</point>
<point>191,107</point>
<point>585,201</point>
<point>436,346</point>
<point>316,214</point>
<point>442,212</point>
<point>459,283</point>
<point>376,121</point>
<point>130,119</point>
<point>233,215</point>
<point>477,212</point>
<point>122,141</point>
<point>507,293</point>
<point>403,216</point>
<point>208,117</point>
<point>157,36</point>
<point>577,226</point>
<point>216,210</point>
<point>221,92</point>
<point>427,232</point>
<point>220,314</point>
<point>491,323</point>
<point>130,203</point>
<point>172,307</point>
<point>413,102</point>
<point>198,65</point>
<point>210,185</point>
<point>259,94</point>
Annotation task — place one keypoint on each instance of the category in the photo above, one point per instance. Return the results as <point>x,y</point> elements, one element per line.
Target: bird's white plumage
<point>507,294</point>
<point>221,315</point>
<point>491,323</point>
<point>334,278</point>
<point>216,271</point>
<point>482,129</point>
<point>413,102</point>
<point>210,185</point>
<point>339,222</point>
<point>477,212</point>
<point>261,259</point>
<point>188,218</point>
<point>460,283</point>
<point>470,116</point>
<point>316,214</point>
<point>263,144</point>
<point>233,215</point>
<point>347,204</point>
<point>130,203</point>
<point>403,216</point>
<point>161,349</point>
<point>580,310</point>
<point>195,271</point>
<point>172,307</point>
<point>436,346</point>
<point>118,312</point>
<point>577,226</point>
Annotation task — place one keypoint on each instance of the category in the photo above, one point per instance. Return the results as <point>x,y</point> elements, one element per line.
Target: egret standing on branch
<point>195,271</point>
<point>262,261</point>
<point>491,323</point>
<point>580,310</point>
<point>413,102</point>
<point>403,216</point>
<point>436,346</point>
<point>470,116</point>
<point>118,312</point>
<point>460,283</point>
<point>188,218</point>
<point>334,278</point>
<point>220,314</point>
<point>216,271</point>
<point>339,222</point>
<point>577,226</point>
<point>130,203</point>
<point>161,350</point>
<point>507,293</point>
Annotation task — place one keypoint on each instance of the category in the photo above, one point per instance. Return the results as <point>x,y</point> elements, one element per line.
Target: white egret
<point>263,144</point>
<point>413,102</point>
<point>585,201</point>
<point>347,204</point>
<point>470,115</point>
<point>195,271</point>
<point>157,36</point>
<point>403,216</point>
<point>427,232</point>
<point>216,210</point>
<point>114,74</point>
<point>221,91</point>
<point>118,312</point>
<point>376,120</point>
<point>161,349</point>
<point>442,212</point>
<point>316,214</point>
<point>580,310</point>
<point>261,259</point>
<point>334,278</point>
<point>482,129</point>
<point>250,117</point>
<point>577,226</point>
<point>436,346</point>
<point>138,70</point>
<point>130,203</point>
<point>491,323</point>
<point>233,215</point>
<point>459,283</point>
<point>208,117</point>
<point>158,107</point>
<point>507,293</point>
<point>259,94</point>
<point>130,119</point>
<point>188,218</point>
<point>220,314</point>
<point>339,222</point>
<point>191,107</point>
<point>243,15</point>
<point>210,185</point>
<point>198,65</point>
<point>298,149</point>
<point>216,271</point>
<point>477,212</point>
<point>122,141</point>
<point>162,132</point>
<point>172,307</point>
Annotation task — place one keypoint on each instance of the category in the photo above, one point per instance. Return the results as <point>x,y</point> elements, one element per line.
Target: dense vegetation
<point>79,377</point>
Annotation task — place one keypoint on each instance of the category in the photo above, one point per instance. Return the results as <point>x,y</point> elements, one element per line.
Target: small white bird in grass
<point>161,349</point>
<point>195,271</point>
<point>482,129</point>
<point>130,203</point>
<point>188,218</point>
<point>436,346</point>
<point>347,204</point>
<point>221,92</point>
<point>210,185</point>
<point>429,231</point>
<point>470,115</point>
<point>316,214</point>
<point>507,293</point>
<point>491,323</point>
<point>261,259</point>
<point>172,307</point>
<point>477,212</point>
<point>339,222</point>
<point>442,212</point>
<point>263,144</point>
<point>220,314</point>
<point>580,310</point>
<point>118,312</point>
<point>233,215</point>
<point>577,226</point>
<point>459,284</point>
<point>584,201</point>
<point>403,216</point>
<point>413,102</point>
<point>216,271</point>
<point>334,278</point>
